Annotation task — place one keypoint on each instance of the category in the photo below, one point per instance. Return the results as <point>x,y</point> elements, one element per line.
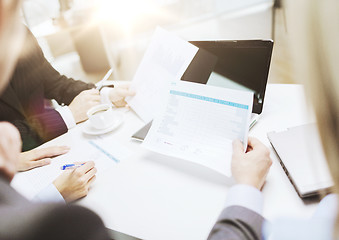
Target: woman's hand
<point>74,183</point>
<point>250,168</point>
<point>39,157</point>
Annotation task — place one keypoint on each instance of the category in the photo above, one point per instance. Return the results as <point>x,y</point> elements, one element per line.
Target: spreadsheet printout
<point>199,123</point>
<point>166,59</point>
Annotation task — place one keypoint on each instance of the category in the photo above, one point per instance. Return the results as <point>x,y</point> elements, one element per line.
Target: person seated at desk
<point>34,79</point>
<point>20,219</point>
<point>315,31</point>
<point>69,186</point>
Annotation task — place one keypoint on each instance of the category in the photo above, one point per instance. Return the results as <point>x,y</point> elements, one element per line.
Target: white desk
<point>156,197</point>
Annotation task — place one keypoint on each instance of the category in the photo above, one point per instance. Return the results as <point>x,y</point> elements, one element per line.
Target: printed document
<point>105,153</point>
<point>165,60</point>
<point>198,123</point>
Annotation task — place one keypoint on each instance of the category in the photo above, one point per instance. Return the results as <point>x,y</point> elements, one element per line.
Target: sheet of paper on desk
<point>199,122</point>
<point>104,152</point>
<point>166,59</point>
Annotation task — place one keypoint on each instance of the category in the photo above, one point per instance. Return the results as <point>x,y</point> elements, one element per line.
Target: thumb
<point>238,147</point>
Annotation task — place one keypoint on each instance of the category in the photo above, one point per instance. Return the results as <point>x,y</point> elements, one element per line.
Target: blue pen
<point>70,166</point>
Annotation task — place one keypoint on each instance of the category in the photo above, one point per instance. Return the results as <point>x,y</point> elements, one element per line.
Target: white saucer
<point>88,129</point>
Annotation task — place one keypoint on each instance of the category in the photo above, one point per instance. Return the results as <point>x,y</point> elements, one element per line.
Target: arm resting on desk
<point>56,86</point>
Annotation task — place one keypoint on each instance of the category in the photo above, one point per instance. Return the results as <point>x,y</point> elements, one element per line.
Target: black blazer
<point>23,101</point>
<point>22,220</point>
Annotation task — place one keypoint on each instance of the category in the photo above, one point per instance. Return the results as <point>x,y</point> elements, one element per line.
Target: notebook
<point>301,156</point>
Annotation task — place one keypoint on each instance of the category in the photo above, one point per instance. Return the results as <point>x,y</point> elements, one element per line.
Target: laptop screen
<point>240,64</point>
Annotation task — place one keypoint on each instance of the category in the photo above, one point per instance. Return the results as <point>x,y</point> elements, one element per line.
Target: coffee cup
<point>101,116</point>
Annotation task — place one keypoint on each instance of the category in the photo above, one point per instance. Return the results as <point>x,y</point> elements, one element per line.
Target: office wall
<point>223,19</point>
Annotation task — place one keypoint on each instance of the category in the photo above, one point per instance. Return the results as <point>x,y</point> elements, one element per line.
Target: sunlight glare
<point>125,12</point>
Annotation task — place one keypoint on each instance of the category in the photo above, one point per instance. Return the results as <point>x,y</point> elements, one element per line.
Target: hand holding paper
<point>199,123</point>
<point>251,167</point>
<point>165,60</point>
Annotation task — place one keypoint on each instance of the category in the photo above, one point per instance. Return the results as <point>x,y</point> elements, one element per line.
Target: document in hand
<point>198,123</point>
<point>166,59</point>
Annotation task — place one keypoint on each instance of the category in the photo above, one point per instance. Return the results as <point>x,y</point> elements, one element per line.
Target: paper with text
<point>166,59</point>
<point>104,152</point>
<point>199,123</point>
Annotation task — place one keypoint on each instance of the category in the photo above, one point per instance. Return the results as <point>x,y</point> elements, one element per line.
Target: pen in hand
<point>70,166</point>
<point>100,84</point>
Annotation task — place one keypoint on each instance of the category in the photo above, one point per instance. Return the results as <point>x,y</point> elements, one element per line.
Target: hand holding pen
<point>75,184</point>
<point>71,166</point>
<point>100,84</point>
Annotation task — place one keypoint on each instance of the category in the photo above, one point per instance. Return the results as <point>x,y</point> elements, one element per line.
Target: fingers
<point>85,168</point>
<point>125,92</point>
<point>254,143</point>
<point>86,171</point>
<point>92,95</point>
<point>125,85</point>
<point>90,174</point>
<point>120,103</point>
<point>238,147</point>
<point>39,163</point>
<point>49,152</point>
<point>91,181</point>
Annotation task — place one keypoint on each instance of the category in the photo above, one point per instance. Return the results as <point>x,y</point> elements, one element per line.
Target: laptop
<point>236,64</point>
<point>301,156</point>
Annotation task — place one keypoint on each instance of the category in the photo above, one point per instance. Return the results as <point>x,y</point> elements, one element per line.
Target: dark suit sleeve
<point>56,86</point>
<point>22,220</point>
<point>50,221</point>
<point>42,124</point>
<point>8,196</point>
<point>40,128</point>
<point>237,223</point>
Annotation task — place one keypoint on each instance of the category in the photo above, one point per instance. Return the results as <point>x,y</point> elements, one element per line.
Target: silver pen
<point>100,84</point>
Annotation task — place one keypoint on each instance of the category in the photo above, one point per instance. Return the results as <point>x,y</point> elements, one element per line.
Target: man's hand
<point>83,102</point>
<point>74,183</point>
<point>118,94</point>
<point>39,157</point>
<point>250,168</point>
<point>10,148</point>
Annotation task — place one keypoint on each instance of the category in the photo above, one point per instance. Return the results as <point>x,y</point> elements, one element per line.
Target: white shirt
<point>49,194</point>
<point>67,115</point>
<point>245,196</point>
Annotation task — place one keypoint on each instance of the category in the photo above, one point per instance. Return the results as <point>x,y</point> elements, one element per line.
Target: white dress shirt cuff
<point>245,196</point>
<point>67,116</point>
<point>49,194</point>
<point>104,93</point>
